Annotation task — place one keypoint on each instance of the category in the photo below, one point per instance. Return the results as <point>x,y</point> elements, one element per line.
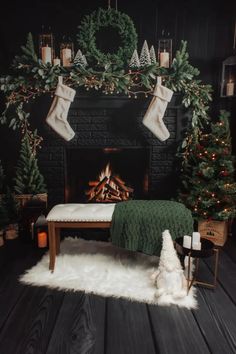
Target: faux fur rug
<point>103,269</point>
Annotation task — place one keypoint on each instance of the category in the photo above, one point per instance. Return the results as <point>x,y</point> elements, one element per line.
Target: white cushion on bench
<point>82,212</point>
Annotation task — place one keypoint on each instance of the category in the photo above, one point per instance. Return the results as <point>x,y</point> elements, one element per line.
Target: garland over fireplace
<point>110,124</point>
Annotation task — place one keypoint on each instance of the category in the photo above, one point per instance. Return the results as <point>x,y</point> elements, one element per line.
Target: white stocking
<point>57,115</point>
<point>153,118</point>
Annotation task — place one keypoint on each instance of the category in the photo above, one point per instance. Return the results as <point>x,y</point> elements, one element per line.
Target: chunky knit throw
<point>137,225</point>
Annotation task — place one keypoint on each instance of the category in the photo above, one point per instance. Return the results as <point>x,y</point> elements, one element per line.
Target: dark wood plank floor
<point>38,320</point>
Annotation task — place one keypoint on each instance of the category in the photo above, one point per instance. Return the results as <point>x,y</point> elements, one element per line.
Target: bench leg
<point>52,245</point>
<point>58,240</point>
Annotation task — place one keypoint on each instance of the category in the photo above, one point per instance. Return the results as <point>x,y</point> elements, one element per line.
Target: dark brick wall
<point>111,121</point>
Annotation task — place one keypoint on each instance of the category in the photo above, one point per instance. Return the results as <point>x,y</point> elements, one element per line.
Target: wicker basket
<point>23,198</point>
<point>215,231</point>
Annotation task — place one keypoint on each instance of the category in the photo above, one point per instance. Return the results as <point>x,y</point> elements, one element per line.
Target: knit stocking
<point>153,118</point>
<point>57,115</point>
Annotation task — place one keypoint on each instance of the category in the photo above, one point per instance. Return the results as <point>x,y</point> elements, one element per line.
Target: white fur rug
<point>103,269</point>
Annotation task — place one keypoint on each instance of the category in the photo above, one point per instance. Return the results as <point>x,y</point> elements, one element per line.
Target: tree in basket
<point>208,185</point>
<point>28,179</point>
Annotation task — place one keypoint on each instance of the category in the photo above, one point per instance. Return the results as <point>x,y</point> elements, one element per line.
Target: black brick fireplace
<point>111,123</point>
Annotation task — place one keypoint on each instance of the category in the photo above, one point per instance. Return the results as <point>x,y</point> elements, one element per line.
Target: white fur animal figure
<point>169,277</point>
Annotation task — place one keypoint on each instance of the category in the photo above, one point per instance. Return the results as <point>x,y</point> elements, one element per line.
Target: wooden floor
<point>39,320</point>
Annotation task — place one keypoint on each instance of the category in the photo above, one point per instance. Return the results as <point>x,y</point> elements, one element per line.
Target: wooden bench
<point>75,216</point>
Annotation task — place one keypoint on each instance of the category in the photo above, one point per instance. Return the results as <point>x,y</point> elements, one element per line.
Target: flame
<point>106,172</point>
<point>108,187</point>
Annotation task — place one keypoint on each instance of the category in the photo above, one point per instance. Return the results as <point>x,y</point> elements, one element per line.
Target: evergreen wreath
<point>100,18</point>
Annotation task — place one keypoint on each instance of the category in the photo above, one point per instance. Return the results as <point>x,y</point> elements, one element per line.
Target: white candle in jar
<point>165,59</point>
<point>46,54</point>
<point>56,61</point>
<point>230,88</point>
<point>66,57</point>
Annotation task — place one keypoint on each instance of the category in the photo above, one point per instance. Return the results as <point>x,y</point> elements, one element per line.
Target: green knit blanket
<point>137,225</point>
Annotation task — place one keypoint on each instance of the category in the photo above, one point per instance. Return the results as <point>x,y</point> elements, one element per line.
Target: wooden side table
<point>208,250</point>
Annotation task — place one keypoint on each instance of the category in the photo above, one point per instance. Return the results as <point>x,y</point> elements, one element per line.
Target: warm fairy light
<point>213,194</point>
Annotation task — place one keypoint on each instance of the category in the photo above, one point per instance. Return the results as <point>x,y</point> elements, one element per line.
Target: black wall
<point>208,26</point>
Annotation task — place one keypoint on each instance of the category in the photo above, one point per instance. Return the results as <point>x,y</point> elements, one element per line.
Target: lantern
<point>165,52</point>
<point>41,231</point>
<point>66,52</point>
<point>46,47</point>
<point>228,78</point>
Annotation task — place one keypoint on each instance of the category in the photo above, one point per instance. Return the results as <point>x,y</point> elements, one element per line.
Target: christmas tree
<point>28,178</point>
<point>145,59</point>
<point>134,61</point>
<point>80,59</point>
<point>153,55</point>
<point>208,186</point>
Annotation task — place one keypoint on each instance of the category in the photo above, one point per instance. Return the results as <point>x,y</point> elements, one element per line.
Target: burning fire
<point>108,188</point>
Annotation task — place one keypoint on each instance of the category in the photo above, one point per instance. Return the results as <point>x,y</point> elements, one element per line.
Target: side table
<point>208,249</point>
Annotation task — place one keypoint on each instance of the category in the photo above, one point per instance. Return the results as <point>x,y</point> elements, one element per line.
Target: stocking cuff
<point>163,92</point>
<point>65,92</point>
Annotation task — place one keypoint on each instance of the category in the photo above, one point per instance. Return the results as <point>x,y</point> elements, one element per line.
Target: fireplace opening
<point>106,175</point>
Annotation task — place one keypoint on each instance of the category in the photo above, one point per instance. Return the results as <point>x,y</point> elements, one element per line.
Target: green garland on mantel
<point>31,78</point>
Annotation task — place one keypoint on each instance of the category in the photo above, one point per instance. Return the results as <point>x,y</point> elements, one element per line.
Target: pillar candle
<point>42,239</point>
<point>56,61</point>
<point>66,57</point>
<point>230,89</point>
<point>187,241</point>
<point>164,59</point>
<point>46,55</point>
<point>196,237</point>
<point>196,246</point>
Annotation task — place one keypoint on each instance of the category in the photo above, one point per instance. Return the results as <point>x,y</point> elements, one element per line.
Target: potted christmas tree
<point>208,186</point>
<point>29,181</point>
